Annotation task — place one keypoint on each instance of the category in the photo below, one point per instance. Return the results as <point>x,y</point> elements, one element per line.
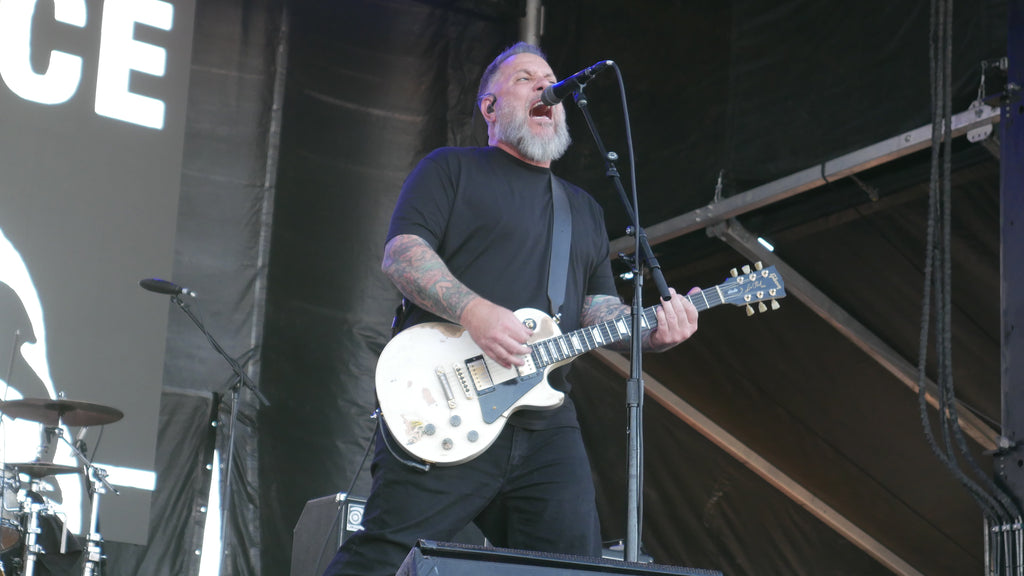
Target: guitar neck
<point>572,344</point>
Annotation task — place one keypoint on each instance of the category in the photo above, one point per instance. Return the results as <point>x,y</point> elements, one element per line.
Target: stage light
<point>766,244</point>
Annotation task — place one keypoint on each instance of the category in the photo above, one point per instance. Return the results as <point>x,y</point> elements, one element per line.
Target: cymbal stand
<point>93,547</point>
<point>99,485</point>
<point>32,548</point>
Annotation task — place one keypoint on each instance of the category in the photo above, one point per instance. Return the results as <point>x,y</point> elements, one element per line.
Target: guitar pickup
<point>480,375</point>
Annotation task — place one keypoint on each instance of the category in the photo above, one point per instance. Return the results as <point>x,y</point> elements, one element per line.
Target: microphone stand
<point>643,256</point>
<point>241,379</point>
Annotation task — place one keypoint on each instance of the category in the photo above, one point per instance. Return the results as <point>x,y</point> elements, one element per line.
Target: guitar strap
<point>561,238</point>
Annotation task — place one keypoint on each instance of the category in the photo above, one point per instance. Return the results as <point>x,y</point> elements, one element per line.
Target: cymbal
<point>42,469</point>
<point>53,412</point>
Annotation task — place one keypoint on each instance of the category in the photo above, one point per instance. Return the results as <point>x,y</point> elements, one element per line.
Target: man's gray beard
<point>513,128</point>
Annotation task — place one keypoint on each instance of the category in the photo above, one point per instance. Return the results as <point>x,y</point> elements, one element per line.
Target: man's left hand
<point>677,321</point>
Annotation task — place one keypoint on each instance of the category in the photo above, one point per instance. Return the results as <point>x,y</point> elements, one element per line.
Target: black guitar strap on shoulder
<point>561,238</point>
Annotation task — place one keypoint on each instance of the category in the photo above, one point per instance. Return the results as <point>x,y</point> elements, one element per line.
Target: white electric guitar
<point>446,402</point>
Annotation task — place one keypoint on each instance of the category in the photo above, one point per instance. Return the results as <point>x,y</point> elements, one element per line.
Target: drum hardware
<point>32,548</point>
<point>54,414</point>
<point>94,541</point>
<point>36,470</point>
<point>10,520</point>
<point>99,485</point>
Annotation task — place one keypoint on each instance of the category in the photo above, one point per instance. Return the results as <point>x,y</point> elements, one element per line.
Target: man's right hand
<point>497,331</point>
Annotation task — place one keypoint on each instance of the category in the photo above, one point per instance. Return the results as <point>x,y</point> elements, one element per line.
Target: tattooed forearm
<point>602,308</point>
<point>421,276</point>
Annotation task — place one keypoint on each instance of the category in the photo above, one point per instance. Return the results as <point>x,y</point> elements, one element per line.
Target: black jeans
<point>531,490</point>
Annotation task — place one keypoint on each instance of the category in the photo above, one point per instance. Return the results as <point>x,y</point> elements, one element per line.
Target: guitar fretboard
<point>572,344</point>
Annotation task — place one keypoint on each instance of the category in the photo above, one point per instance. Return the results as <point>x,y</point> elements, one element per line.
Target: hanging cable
<point>994,502</point>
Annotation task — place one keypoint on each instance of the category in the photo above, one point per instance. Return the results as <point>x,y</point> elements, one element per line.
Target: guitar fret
<point>588,337</point>
<point>565,349</point>
<point>620,324</point>
<point>610,333</point>
<point>556,349</point>
<point>575,339</point>
<point>695,303</point>
<point>580,336</point>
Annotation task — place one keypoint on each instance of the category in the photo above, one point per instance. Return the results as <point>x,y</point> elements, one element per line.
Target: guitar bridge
<point>461,375</point>
<point>442,378</point>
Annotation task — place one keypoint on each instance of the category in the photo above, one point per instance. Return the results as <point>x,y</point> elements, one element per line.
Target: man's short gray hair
<point>492,68</point>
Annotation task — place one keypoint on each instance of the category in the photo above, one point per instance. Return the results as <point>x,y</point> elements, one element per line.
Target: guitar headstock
<point>754,287</point>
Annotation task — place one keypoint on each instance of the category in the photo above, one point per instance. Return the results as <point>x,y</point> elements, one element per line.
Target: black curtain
<point>755,88</point>
<point>371,88</point>
<point>221,251</point>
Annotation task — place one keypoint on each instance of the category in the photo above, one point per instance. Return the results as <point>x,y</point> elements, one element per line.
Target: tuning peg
<point>746,269</point>
<point>734,272</point>
<point>758,266</point>
<point>761,307</point>
<point>750,311</point>
<point>775,304</point>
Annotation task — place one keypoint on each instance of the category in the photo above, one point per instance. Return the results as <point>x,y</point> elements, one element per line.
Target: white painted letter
<point>120,53</point>
<point>60,81</point>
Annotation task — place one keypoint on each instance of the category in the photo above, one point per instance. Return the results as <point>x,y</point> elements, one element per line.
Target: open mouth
<point>539,110</point>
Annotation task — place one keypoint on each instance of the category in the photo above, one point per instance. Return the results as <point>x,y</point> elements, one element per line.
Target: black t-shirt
<point>488,216</point>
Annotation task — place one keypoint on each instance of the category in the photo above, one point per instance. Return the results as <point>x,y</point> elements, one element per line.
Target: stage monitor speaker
<point>324,525</point>
<point>321,528</point>
<point>451,559</point>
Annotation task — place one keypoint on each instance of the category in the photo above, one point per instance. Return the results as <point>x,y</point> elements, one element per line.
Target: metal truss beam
<point>741,240</point>
<point>808,179</point>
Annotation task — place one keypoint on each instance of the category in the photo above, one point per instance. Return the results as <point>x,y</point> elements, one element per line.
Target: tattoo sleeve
<point>602,308</point>
<point>422,277</point>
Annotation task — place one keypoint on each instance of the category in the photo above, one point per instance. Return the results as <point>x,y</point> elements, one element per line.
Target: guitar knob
<point>761,307</point>
<point>775,304</point>
<point>750,311</point>
<point>455,420</point>
<point>447,444</point>
<point>429,429</point>
<point>473,436</point>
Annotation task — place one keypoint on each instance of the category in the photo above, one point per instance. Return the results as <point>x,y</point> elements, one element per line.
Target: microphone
<point>559,90</point>
<point>164,287</point>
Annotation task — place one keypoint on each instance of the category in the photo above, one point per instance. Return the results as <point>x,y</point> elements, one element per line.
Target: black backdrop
<point>757,88</point>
